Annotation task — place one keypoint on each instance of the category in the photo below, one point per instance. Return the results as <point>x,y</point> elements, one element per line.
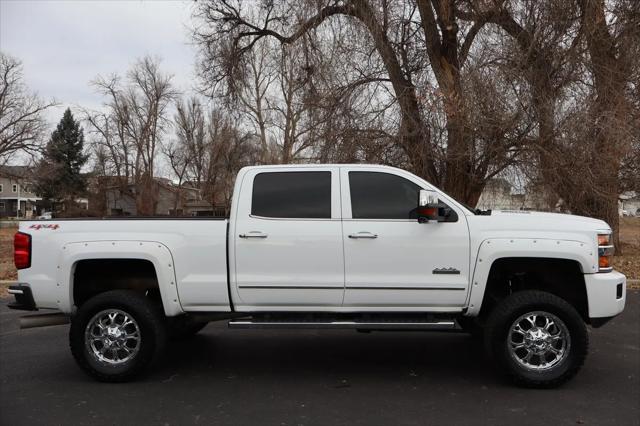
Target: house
<point>500,194</point>
<point>17,198</point>
<point>171,200</point>
<point>629,204</point>
<point>204,208</point>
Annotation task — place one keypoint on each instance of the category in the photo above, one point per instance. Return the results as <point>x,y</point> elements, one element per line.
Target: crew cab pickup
<point>326,246</point>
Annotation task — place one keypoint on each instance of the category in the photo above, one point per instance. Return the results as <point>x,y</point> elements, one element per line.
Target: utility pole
<point>18,207</point>
<point>19,189</point>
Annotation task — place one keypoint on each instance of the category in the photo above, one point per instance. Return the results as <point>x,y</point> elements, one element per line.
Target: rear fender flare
<point>155,252</point>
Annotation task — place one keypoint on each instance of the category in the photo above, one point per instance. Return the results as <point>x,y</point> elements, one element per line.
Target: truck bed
<point>190,253</point>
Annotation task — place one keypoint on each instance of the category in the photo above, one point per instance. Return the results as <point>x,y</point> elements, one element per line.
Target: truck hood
<point>537,222</point>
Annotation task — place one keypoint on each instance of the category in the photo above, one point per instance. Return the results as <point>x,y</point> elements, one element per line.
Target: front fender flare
<point>493,249</point>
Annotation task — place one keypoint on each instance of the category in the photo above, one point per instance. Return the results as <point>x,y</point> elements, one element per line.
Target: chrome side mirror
<point>427,205</point>
<point>428,198</point>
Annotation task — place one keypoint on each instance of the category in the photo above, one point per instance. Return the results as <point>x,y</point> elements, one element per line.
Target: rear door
<point>288,239</point>
<point>391,260</point>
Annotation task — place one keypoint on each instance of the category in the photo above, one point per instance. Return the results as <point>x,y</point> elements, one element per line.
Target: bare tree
<point>419,45</point>
<point>22,126</point>
<point>458,91</point>
<point>133,126</point>
<point>578,69</point>
<point>253,92</point>
<point>293,113</point>
<point>609,114</point>
<point>209,149</point>
<point>178,162</point>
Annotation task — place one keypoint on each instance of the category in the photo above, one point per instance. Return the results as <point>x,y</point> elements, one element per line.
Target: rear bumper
<point>23,298</point>
<point>606,293</point>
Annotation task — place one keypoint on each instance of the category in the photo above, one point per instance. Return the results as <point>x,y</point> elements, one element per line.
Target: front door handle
<point>368,235</point>
<point>254,234</point>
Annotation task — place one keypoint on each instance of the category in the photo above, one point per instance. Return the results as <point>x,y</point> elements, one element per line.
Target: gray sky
<point>65,44</point>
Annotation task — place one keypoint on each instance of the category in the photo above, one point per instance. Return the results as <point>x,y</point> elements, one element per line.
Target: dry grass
<point>4,294</point>
<point>628,262</point>
<point>7,270</point>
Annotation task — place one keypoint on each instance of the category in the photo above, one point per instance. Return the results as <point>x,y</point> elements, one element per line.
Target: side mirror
<point>427,206</point>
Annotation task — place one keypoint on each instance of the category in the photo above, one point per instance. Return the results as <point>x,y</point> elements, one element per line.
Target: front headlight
<point>605,253</point>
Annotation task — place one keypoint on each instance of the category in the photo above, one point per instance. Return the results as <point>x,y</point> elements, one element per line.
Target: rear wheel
<point>116,335</point>
<point>537,339</point>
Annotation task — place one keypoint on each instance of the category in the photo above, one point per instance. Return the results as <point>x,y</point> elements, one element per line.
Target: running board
<point>43,320</point>
<point>358,325</point>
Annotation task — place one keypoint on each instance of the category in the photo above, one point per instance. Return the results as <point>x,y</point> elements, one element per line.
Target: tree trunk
<point>444,56</point>
<point>610,123</point>
<point>458,181</point>
<point>413,133</point>
<point>145,196</point>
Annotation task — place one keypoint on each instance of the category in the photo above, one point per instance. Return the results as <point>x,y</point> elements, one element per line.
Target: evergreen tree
<point>58,174</point>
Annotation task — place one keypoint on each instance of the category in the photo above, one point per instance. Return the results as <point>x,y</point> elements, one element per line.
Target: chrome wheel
<point>538,341</point>
<point>112,337</point>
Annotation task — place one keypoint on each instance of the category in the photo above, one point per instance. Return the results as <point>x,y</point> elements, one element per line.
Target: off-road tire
<point>513,307</point>
<point>149,319</point>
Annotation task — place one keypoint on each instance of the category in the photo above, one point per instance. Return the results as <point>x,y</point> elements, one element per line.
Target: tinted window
<point>382,196</point>
<point>292,195</point>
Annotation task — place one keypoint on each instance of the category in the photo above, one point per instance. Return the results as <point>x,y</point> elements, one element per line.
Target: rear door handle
<point>254,234</point>
<point>368,235</point>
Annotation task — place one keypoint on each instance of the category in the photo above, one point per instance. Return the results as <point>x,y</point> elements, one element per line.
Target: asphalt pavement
<point>307,377</point>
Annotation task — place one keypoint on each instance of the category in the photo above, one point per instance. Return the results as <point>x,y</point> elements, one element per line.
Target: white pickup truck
<point>325,246</point>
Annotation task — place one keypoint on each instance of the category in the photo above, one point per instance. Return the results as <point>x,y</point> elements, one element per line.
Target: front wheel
<point>537,339</point>
<point>116,335</point>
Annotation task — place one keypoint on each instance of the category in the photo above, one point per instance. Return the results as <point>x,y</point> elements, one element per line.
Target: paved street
<point>258,377</point>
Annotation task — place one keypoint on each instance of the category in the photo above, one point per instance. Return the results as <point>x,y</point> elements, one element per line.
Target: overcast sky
<point>63,45</point>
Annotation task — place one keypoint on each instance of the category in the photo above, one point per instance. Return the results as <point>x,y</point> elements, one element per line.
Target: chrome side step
<point>359,325</point>
<point>43,320</point>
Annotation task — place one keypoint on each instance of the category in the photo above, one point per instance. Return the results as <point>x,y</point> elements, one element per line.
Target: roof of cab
<point>355,165</point>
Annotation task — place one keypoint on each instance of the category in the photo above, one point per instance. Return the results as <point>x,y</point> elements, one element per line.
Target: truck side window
<point>292,195</point>
<point>376,195</point>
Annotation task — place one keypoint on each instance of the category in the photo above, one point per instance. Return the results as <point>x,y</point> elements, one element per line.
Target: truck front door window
<point>301,195</point>
<point>382,196</point>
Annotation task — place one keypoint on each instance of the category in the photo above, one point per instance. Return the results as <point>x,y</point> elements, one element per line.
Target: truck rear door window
<point>305,195</point>
<point>377,195</point>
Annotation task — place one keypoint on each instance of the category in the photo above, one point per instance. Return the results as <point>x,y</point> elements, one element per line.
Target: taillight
<point>22,250</point>
<point>605,253</point>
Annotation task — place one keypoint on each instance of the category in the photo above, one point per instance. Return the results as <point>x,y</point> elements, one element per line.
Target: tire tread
<point>532,300</point>
<point>147,313</point>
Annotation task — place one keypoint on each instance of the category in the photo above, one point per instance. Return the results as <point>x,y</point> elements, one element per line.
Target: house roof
<point>20,172</point>
<point>199,203</point>
<point>629,195</point>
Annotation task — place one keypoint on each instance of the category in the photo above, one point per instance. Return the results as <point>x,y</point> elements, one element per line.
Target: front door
<point>288,239</point>
<point>391,260</point>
